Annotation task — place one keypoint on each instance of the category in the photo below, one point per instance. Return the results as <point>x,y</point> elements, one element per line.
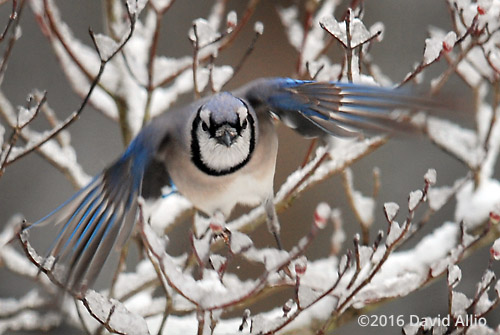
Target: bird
<point>218,151</point>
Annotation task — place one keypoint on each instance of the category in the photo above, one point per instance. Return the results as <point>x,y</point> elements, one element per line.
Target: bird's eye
<point>244,124</point>
<point>204,126</point>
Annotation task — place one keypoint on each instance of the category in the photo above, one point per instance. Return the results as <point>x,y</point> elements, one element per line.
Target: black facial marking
<point>195,146</point>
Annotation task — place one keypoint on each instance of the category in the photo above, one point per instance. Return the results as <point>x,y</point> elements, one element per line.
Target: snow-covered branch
<point>200,289</point>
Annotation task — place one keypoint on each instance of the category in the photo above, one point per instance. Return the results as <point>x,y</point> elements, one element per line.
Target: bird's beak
<point>227,136</point>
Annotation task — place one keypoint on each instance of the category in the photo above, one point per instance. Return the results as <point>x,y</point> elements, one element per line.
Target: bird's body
<point>250,184</point>
<point>218,151</point>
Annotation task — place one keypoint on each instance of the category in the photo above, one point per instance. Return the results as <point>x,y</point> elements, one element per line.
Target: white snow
<point>359,33</point>
<point>495,250</point>
<point>307,295</point>
<point>221,75</point>
<point>240,242</point>
<point>414,199</point>
<point>475,204</point>
<point>437,43</point>
<point>391,209</point>
<point>259,27</point>
<point>2,133</point>
<point>232,20</point>
<point>166,67</point>
<point>115,314</point>
<point>454,275</point>
<point>459,304</point>
<point>430,177</point>
<point>461,142</point>
<point>205,33</point>
<point>395,232</point>
<point>322,214</point>
<point>106,45</point>
<point>25,116</point>
<point>160,4</point>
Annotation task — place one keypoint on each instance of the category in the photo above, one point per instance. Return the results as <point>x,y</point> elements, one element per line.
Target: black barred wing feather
<point>98,217</point>
<point>338,109</point>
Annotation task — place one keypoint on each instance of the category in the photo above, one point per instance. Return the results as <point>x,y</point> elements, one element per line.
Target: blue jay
<point>219,151</point>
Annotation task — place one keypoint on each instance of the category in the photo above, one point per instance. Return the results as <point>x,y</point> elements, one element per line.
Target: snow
<point>232,20</point>
<point>272,258</point>
<point>160,4</point>
<point>322,214</point>
<point>240,242</point>
<point>129,282</point>
<point>454,275</point>
<point>106,45</point>
<point>379,29</point>
<point>469,74</point>
<point>289,19</point>
<point>202,78</point>
<point>220,76</point>
<point>391,209</point>
<point>259,27</point>
<point>218,262</point>
<point>113,313</point>
<point>495,250</point>
<point>300,266</point>
<point>2,133</point>
<point>307,296</point>
<point>402,273</point>
<point>316,38</point>
<point>395,231</point>
<point>475,204</point>
<point>25,115</point>
<point>30,320</point>
<point>365,255</point>
<point>338,236</point>
<point>405,271</point>
<point>359,33</point>
<point>63,157</point>
<point>461,142</point>
<point>209,292</point>
<point>202,247</point>
<point>430,177</point>
<point>459,304</point>
<point>436,43</point>
<point>205,33</point>
<point>31,300</point>
<point>364,206</point>
<point>162,214</point>
<point>483,119</point>
<point>166,67</point>
<point>414,199</point>
<point>136,6</point>
<point>437,197</point>
<point>483,304</point>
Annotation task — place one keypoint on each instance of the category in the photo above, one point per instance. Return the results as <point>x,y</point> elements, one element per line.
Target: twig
<point>69,120</point>
<point>14,20</point>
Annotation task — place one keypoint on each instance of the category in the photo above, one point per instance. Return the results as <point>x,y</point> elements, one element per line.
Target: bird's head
<point>223,134</point>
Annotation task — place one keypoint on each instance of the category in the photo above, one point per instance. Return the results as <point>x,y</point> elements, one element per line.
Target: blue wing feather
<point>335,108</point>
<point>95,218</point>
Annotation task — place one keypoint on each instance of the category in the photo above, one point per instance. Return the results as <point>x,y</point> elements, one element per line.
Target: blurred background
<point>33,187</point>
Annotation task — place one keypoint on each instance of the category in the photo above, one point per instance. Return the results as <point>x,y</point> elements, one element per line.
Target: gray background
<point>32,187</point>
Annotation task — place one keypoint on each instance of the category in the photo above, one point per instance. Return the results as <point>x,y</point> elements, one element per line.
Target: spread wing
<point>99,216</point>
<point>339,109</point>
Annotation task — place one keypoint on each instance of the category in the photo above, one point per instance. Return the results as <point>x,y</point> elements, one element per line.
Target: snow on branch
<point>125,78</point>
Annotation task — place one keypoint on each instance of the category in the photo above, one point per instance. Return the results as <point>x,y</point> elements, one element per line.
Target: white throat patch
<point>219,157</point>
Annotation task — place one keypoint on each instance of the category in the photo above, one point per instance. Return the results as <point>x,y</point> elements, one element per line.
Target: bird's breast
<point>249,185</point>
